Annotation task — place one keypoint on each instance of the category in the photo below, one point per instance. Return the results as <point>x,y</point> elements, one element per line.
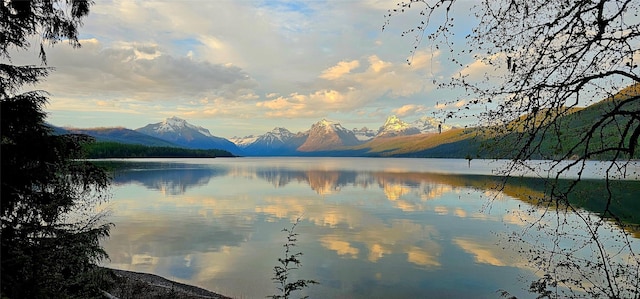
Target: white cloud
<point>485,67</point>
<point>410,109</point>
<point>141,72</point>
<point>350,86</point>
<point>241,60</point>
<point>337,71</point>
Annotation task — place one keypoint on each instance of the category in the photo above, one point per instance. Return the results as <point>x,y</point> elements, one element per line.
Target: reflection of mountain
<point>372,227</point>
<point>408,191</point>
<point>427,186</point>
<point>173,181</point>
<point>322,181</point>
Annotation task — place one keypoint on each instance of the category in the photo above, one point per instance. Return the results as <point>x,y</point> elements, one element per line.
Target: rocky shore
<point>129,285</point>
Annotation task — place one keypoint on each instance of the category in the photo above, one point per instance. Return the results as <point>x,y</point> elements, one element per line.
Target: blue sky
<point>244,67</point>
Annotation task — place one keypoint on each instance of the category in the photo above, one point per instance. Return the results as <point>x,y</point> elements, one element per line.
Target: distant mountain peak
<point>428,124</point>
<point>364,133</point>
<point>393,126</point>
<point>325,123</point>
<point>327,134</point>
<point>174,121</point>
<point>182,133</point>
<point>392,120</point>
<point>280,130</point>
<point>176,124</point>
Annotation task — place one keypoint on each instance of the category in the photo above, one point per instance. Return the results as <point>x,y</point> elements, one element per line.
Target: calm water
<point>370,228</point>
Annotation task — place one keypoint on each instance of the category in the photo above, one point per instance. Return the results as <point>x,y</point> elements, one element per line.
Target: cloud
<point>485,67</point>
<point>347,87</point>
<point>449,105</point>
<point>141,72</point>
<point>410,109</point>
<point>203,59</point>
<point>342,68</point>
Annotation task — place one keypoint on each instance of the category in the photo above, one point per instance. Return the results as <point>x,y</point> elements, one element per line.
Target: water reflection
<point>367,232</point>
<point>168,178</point>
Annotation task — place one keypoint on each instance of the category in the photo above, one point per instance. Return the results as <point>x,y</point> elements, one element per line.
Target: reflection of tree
<point>171,180</point>
<point>542,62</point>
<point>589,194</point>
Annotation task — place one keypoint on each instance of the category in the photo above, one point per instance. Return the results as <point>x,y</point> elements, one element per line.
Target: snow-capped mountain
<point>278,141</point>
<point>327,135</point>
<point>364,133</point>
<point>180,132</point>
<point>428,124</point>
<point>276,136</point>
<point>396,127</point>
<point>245,141</point>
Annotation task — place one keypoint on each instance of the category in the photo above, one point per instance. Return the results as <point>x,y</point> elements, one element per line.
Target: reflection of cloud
<point>421,257</point>
<point>289,207</point>
<point>339,246</point>
<point>522,218</point>
<point>377,251</point>
<point>351,225</point>
<point>441,210</point>
<point>460,213</point>
<point>396,189</point>
<point>482,253</point>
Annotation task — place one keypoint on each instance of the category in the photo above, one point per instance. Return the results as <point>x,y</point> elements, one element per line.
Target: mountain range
<point>425,137</point>
<point>323,137</point>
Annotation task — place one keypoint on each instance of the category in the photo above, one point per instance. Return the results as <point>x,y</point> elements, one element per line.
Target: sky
<point>244,67</point>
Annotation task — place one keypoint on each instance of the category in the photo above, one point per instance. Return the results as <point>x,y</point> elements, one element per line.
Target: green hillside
<point>592,129</point>
<point>576,125</point>
<point>564,139</point>
<point>450,144</point>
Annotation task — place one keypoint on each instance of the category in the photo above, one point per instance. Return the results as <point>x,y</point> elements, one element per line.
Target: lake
<point>369,227</point>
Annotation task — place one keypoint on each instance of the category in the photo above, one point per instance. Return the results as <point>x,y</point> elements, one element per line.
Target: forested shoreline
<point>100,150</point>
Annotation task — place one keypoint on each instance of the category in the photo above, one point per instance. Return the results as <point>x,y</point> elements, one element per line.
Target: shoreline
<point>130,284</point>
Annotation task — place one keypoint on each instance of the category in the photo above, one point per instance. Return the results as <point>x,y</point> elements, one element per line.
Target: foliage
<point>50,236</point>
<point>122,150</point>
<point>543,61</point>
<point>288,263</point>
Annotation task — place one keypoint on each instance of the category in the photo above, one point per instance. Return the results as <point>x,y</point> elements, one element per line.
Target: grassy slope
<point>574,126</point>
<point>474,142</point>
<point>419,145</point>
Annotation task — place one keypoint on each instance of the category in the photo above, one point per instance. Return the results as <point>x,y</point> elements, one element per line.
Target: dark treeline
<point>99,150</point>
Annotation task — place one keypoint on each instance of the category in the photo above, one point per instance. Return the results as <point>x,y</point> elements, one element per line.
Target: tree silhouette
<point>543,60</point>
<point>50,234</point>
<point>287,265</point>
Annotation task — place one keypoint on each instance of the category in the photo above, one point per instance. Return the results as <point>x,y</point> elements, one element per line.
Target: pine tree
<point>50,234</point>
